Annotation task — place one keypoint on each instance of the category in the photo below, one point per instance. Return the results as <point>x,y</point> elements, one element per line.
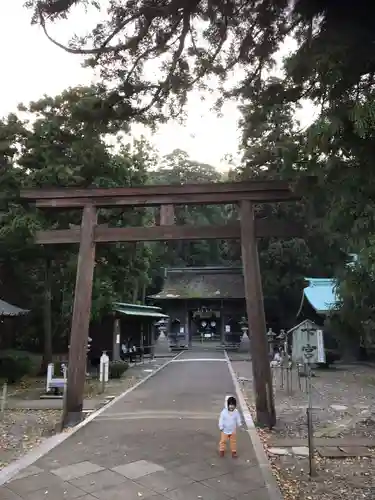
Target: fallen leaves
<point>22,430</point>
<point>344,478</point>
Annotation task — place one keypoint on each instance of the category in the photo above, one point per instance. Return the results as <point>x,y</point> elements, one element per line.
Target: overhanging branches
<point>188,39</point>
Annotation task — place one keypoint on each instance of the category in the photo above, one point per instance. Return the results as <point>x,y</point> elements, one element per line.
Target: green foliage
<point>274,148</point>
<point>337,148</point>
<point>61,143</point>
<point>356,311</point>
<point>188,42</point>
<point>332,64</point>
<point>14,365</point>
<point>178,168</point>
<point>117,369</point>
<point>185,42</point>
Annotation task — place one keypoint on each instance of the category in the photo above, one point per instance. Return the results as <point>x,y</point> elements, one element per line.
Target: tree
<point>185,40</point>
<point>193,39</point>
<point>274,148</point>
<point>178,168</point>
<point>61,144</point>
<point>332,64</point>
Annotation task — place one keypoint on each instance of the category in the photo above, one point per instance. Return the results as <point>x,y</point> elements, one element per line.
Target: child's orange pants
<point>232,438</point>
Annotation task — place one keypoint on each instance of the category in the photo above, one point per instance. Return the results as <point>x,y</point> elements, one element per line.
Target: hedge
<point>117,368</point>
<point>14,365</point>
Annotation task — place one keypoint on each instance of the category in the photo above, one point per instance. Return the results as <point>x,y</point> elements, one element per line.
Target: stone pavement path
<point>159,442</point>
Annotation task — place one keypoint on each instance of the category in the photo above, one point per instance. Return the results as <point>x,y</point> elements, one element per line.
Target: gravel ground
<point>344,404</point>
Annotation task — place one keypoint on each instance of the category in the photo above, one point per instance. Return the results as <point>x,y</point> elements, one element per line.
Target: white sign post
<point>321,354</point>
<point>104,369</point>
<point>50,369</point>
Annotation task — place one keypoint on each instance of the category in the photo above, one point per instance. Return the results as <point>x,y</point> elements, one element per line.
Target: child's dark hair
<point>232,401</point>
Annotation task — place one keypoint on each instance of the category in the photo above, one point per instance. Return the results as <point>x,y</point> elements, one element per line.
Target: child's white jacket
<point>229,421</point>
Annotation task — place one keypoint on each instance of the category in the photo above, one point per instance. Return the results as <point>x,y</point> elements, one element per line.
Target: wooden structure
<point>90,233</point>
<point>207,303</point>
<point>9,314</point>
<point>128,322</point>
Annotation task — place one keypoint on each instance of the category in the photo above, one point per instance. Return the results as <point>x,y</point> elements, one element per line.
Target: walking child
<point>228,422</point>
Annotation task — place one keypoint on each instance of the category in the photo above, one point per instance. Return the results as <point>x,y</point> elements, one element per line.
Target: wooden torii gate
<point>248,229</point>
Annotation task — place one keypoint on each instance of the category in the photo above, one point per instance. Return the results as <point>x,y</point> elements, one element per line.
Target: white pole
<point>50,370</point>
<point>104,370</point>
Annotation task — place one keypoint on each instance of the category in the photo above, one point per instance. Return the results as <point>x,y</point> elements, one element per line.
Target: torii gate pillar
<point>265,407</point>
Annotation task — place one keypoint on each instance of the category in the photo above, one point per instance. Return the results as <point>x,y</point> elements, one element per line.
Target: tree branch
<point>55,7</point>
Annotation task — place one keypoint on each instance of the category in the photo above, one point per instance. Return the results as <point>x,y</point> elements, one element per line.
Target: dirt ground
<point>343,400</point>
<point>23,429</point>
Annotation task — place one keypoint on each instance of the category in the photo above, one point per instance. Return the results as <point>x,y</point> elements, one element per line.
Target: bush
<point>117,368</point>
<point>14,365</point>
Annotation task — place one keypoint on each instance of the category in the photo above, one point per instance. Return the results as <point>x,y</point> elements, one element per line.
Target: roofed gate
<point>204,302</point>
<point>202,282</point>
<point>247,229</point>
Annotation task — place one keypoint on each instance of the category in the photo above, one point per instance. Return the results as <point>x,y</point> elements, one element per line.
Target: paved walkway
<point>158,442</point>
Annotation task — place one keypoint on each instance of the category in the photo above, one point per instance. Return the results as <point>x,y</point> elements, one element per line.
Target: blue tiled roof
<point>321,293</point>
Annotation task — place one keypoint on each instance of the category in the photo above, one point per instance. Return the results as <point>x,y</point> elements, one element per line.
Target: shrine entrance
<point>247,229</point>
<point>205,325</point>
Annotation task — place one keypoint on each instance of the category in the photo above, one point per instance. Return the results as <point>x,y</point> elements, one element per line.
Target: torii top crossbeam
<point>185,194</point>
<point>166,196</point>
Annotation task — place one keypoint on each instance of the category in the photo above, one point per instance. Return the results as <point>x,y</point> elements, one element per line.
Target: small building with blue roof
<point>320,295</point>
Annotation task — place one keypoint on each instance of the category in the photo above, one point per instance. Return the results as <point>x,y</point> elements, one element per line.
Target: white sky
<point>33,66</point>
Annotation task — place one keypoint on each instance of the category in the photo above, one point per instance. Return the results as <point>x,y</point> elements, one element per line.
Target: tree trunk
<point>47,316</point>
<point>135,291</point>
<point>143,297</point>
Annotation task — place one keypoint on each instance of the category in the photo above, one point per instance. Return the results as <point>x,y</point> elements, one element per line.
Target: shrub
<point>117,368</point>
<point>14,365</point>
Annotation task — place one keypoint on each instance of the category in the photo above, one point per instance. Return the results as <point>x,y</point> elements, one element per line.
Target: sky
<point>33,66</point>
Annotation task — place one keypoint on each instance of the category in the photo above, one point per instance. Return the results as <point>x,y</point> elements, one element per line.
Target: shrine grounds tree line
<point>61,142</point>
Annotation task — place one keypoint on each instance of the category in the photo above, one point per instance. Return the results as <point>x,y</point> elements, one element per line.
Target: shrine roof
<point>138,310</point>
<point>202,283</point>
<point>321,294</point>
<point>10,310</point>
